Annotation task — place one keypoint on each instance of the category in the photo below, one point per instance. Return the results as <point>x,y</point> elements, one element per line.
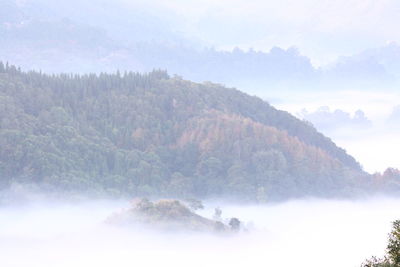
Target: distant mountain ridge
<point>39,35</point>
<point>152,134</point>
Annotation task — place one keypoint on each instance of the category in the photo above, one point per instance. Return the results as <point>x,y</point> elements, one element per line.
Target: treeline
<point>152,134</point>
<point>388,181</point>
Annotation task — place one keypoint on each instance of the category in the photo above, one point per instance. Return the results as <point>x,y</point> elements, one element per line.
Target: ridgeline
<point>151,134</point>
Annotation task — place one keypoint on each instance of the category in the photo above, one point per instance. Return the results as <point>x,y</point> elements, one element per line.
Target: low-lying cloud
<point>295,233</point>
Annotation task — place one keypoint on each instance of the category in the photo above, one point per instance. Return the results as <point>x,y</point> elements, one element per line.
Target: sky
<point>321,29</point>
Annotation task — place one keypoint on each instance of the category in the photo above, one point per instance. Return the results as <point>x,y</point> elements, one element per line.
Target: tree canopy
<point>392,257</point>
<point>151,134</point>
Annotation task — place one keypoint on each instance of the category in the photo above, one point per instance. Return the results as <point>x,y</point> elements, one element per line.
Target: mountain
<point>326,120</point>
<point>10,12</point>
<point>152,134</point>
<point>372,68</point>
<point>62,44</point>
<point>99,36</point>
<point>357,72</point>
<point>387,56</point>
<point>388,181</point>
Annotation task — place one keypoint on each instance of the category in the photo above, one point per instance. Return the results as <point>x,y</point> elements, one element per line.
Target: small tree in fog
<point>234,223</point>
<point>217,214</point>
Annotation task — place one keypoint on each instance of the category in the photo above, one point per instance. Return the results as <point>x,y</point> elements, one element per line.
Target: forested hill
<point>152,134</point>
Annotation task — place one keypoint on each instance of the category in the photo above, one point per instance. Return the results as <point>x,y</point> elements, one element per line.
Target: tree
<point>392,257</point>
<point>393,248</point>
<point>152,135</point>
<point>217,214</point>
<point>376,262</point>
<point>234,223</point>
<point>195,204</point>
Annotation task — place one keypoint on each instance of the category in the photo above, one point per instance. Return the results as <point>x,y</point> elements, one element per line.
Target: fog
<point>294,233</point>
<point>341,75</point>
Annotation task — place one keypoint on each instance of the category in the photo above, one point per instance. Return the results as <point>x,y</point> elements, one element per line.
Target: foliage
<point>168,214</point>
<point>393,247</point>
<point>149,134</point>
<point>194,204</point>
<point>376,262</point>
<point>234,223</point>
<point>392,257</point>
<point>388,181</point>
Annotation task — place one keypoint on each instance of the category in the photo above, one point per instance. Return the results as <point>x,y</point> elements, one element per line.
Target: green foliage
<point>168,215</point>
<point>234,223</point>
<point>194,204</point>
<point>392,257</point>
<point>144,135</point>
<point>393,247</point>
<point>376,262</point>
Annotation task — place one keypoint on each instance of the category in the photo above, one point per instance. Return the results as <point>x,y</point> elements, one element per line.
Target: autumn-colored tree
<point>131,134</point>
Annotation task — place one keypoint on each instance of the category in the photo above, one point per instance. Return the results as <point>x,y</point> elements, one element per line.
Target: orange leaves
<point>241,137</point>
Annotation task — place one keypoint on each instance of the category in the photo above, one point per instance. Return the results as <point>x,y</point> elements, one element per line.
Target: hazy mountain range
<point>66,37</point>
<point>326,120</point>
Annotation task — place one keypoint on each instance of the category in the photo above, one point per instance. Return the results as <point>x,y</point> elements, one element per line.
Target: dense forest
<point>130,134</point>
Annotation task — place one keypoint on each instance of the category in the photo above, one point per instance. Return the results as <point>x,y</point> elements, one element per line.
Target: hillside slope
<point>150,134</point>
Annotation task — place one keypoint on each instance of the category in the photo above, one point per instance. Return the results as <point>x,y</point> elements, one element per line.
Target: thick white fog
<point>296,233</point>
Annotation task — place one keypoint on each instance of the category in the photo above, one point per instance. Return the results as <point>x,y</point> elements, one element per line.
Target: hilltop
<point>151,134</point>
